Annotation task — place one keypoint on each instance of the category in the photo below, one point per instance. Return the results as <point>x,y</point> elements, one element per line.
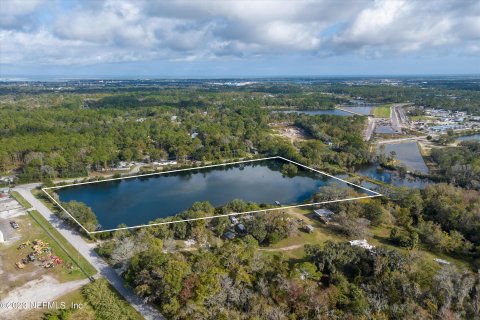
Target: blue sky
<point>238,38</point>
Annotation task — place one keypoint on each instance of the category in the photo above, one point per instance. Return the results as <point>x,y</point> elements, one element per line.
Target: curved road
<point>87,250</point>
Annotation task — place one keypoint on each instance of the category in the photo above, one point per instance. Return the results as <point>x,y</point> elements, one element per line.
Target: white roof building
<point>361,243</point>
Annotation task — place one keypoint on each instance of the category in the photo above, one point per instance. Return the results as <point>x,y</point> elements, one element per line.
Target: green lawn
<point>381,111</point>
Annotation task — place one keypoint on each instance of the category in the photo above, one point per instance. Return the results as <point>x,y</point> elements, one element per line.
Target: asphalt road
<point>87,250</point>
<point>370,128</point>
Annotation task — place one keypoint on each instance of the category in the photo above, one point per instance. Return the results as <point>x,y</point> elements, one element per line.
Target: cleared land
<point>381,111</point>
<point>34,281</point>
<point>292,133</point>
<point>33,275</point>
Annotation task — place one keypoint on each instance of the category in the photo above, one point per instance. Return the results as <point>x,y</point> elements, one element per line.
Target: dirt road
<point>292,247</point>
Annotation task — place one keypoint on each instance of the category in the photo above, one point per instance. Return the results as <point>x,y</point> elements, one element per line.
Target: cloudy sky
<point>239,38</point>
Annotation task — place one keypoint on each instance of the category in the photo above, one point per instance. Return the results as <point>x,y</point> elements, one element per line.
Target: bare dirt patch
<point>292,133</point>
<point>12,252</point>
<point>44,289</point>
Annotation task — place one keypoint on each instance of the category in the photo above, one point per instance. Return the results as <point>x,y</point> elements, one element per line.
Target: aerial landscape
<point>239,159</point>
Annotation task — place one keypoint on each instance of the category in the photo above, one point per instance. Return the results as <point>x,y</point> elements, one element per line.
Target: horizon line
<point>5,77</point>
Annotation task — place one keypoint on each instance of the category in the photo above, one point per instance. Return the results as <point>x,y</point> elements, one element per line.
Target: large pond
<point>408,154</point>
<point>470,137</point>
<point>137,201</point>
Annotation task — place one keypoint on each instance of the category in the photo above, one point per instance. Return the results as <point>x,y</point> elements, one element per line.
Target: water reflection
<point>408,154</point>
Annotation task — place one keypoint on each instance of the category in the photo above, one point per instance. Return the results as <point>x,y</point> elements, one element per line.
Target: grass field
<point>381,111</point>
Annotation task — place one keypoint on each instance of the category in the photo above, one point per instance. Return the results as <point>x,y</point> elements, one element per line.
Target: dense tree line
<point>460,165</point>
<point>69,136</point>
<point>50,143</point>
<point>341,137</point>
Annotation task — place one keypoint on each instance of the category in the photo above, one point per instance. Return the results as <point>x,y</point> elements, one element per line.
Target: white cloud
<point>14,13</point>
<point>400,26</point>
<point>91,32</point>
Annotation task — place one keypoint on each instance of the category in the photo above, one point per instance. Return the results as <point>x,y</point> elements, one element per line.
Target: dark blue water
<point>140,200</point>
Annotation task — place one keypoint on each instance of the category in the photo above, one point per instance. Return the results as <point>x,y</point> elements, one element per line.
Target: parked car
<point>14,225</point>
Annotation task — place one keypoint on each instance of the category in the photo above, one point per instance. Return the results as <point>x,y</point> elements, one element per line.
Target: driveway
<point>87,250</point>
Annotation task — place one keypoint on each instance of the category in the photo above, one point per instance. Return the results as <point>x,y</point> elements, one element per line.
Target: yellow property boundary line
<point>375,194</point>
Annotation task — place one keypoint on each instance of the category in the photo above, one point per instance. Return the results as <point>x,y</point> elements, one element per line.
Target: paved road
<point>370,128</point>
<point>394,119</point>
<point>87,250</point>
<point>398,118</point>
